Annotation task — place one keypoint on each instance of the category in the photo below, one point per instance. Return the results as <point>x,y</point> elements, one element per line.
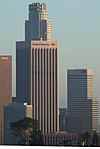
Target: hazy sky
<point>76,25</point>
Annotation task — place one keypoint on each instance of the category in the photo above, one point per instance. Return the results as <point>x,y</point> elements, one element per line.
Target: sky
<point>76,26</point>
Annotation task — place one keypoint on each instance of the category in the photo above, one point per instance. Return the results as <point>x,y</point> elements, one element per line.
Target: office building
<point>22,72</point>
<point>38,27</point>
<point>5,87</point>
<point>14,112</point>
<point>82,107</point>
<point>37,69</point>
<point>41,78</point>
<point>44,84</point>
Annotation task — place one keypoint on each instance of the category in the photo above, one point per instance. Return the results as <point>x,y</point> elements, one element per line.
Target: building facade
<point>82,107</point>
<point>61,139</point>
<point>44,84</point>
<point>14,112</point>
<point>5,87</point>
<point>38,27</point>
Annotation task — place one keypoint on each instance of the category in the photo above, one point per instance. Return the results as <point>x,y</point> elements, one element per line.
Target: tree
<point>95,139</point>
<point>27,132</point>
<point>85,139</point>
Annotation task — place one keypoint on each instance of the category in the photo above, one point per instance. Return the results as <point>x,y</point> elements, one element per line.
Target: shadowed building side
<point>22,72</point>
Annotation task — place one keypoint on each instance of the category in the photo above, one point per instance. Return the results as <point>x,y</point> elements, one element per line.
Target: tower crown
<point>37,7</point>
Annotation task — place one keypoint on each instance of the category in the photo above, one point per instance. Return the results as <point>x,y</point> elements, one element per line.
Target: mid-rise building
<point>14,112</point>
<point>5,87</point>
<point>61,139</point>
<point>82,107</point>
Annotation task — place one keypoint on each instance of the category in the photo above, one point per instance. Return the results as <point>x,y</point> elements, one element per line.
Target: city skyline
<point>57,55</point>
<point>80,22</point>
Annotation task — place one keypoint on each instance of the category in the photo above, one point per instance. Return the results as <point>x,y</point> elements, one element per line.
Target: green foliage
<point>27,132</point>
<point>95,139</point>
<point>89,138</point>
<point>85,138</point>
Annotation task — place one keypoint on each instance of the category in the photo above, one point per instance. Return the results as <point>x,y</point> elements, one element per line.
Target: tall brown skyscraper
<point>5,87</point>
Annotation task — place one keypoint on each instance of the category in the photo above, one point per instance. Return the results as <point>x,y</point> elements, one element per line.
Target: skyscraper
<point>5,87</point>
<point>22,72</point>
<point>37,69</point>
<point>82,107</point>
<point>44,84</point>
<point>38,27</point>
